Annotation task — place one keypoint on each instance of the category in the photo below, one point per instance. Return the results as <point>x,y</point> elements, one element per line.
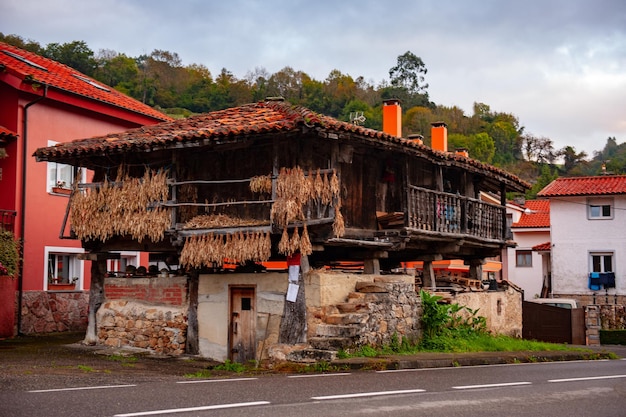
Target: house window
<point>63,266</point>
<point>60,175</point>
<point>601,262</point>
<point>117,267</point>
<point>523,258</point>
<point>600,209</point>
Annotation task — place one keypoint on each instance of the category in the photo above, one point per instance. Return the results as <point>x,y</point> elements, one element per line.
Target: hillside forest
<point>498,138</point>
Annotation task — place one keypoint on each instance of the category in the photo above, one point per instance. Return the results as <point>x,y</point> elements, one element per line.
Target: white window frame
<point>595,208</point>
<point>602,254</point>
<point>77,266</point>
<point>57,173</point>
<point>132,258</point>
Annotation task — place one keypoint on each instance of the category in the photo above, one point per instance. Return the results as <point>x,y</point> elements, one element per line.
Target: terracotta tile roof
<point>241,123</point>
<point>577,186</point>
<point>30,67</point>
<point>538,214</point>
<point>542,247</point>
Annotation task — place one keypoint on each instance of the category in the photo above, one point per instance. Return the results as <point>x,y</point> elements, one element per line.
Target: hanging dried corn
<point>261,184</point>
<point>305,243</point>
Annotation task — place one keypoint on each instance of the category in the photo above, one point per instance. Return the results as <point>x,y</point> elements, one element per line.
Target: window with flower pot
<point>64,271</point>
<point>61,177</point>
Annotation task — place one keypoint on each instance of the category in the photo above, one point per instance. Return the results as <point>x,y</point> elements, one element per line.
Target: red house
<point>41,100</point>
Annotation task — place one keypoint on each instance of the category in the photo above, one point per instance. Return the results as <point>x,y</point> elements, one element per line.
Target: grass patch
<point>86,368</point>
<point>202,374</point>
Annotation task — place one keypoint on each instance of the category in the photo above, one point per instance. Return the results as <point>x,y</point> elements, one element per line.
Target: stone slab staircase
<point>345,325</point>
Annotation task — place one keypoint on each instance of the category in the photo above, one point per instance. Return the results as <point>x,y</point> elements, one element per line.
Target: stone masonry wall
<point>49,312</point>
<point>148,313</point>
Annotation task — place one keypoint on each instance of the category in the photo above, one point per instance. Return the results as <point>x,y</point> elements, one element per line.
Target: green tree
<point>482,147</point>
<point>74,54</point>
<point>409,73</point>
<point>571,159</point>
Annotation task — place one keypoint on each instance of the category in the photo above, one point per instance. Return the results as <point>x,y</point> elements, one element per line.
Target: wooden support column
<point>192,344</point>
<point>96,297</point>
<point>293,324</point>
<point>371,266</point>
<point>476,268</point>
<point>429,276</point>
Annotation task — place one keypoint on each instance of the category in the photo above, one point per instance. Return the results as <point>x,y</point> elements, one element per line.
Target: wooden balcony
<point>451,214</point>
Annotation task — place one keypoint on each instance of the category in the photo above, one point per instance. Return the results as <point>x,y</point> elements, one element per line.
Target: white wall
<point>574,237</point>
<point>530,279</point>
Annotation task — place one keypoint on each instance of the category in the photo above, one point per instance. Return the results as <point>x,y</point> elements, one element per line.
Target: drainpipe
<point>20,279</point>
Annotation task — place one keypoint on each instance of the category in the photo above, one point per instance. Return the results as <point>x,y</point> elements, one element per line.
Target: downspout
<point>20,280</point>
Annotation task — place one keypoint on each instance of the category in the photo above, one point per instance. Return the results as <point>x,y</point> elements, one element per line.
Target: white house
<point>588,238</point>
<point>524,263</point>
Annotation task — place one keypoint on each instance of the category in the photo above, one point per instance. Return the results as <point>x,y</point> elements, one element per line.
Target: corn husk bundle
<point>290,245</point>
<point>214,221</point>
<point>121,208</point>
<point>305,242</point>
<point>292,192</point>
<point>261,184</point>
<point>213,249</point>
<point>339,228</point>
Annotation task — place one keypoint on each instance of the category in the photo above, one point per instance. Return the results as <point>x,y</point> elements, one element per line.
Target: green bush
<point>613,337</point>
<point>9,253</point>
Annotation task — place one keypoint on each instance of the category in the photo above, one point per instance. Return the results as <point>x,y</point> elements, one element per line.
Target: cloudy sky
<point>558,65</point>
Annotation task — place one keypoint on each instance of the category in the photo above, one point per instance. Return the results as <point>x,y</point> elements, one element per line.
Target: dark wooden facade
<point>400,200</point>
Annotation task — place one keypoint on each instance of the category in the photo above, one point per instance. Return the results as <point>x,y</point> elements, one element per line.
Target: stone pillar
<point>593,325</point>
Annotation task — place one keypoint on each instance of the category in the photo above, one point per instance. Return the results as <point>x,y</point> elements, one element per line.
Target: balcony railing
<point>7,220</point>
<point>451,213</point>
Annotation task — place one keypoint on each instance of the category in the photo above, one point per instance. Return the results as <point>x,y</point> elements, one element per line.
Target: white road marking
<point>503,384</point>
<point>587,378</point>
<point>319,375</point>
<point>190,409</point>
<point>199,381</point>
<point>367,394</point>
<point>82,388</point>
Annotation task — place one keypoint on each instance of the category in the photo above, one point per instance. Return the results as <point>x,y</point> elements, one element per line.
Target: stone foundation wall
<point>147,313</point>
<point>49,312</point>
<point>502,309</point>
<point>162,329</point>
<point>394,310</point>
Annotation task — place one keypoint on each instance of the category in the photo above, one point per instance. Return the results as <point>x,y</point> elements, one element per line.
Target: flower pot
<point>61,287</point>
<point>59,190</point>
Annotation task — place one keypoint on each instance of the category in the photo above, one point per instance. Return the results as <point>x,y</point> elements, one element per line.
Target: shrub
<point>9,253</point>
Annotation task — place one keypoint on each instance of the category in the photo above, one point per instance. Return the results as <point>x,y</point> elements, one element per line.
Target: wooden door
<point>242,324</point>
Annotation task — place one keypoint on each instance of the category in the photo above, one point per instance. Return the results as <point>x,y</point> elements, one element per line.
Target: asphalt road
<point>574,388</point>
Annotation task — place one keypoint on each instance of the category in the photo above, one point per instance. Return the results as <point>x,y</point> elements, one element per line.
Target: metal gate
<point>553,324</point>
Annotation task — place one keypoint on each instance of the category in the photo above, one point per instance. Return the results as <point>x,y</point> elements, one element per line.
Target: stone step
<point>352,307</point>
<point>335,330</point>
<point>372,287</point>
<point>312,355</point>
<point>331,343</point>
<point>346,318</point>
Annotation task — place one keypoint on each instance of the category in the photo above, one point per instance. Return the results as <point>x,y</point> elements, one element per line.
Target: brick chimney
<point>392,117</point>
<point>439,136</point>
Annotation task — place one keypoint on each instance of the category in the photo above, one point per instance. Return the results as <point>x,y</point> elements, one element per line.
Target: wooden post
<point>96,298</point>
<point>429,276</point>
<point>293,323</point>
<point>192,344</point>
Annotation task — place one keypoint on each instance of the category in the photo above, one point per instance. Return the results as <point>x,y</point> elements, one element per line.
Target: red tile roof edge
<point>542,247</point>
<point>248,119</point>
<point>32,68</point>
<point>585,186</point>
